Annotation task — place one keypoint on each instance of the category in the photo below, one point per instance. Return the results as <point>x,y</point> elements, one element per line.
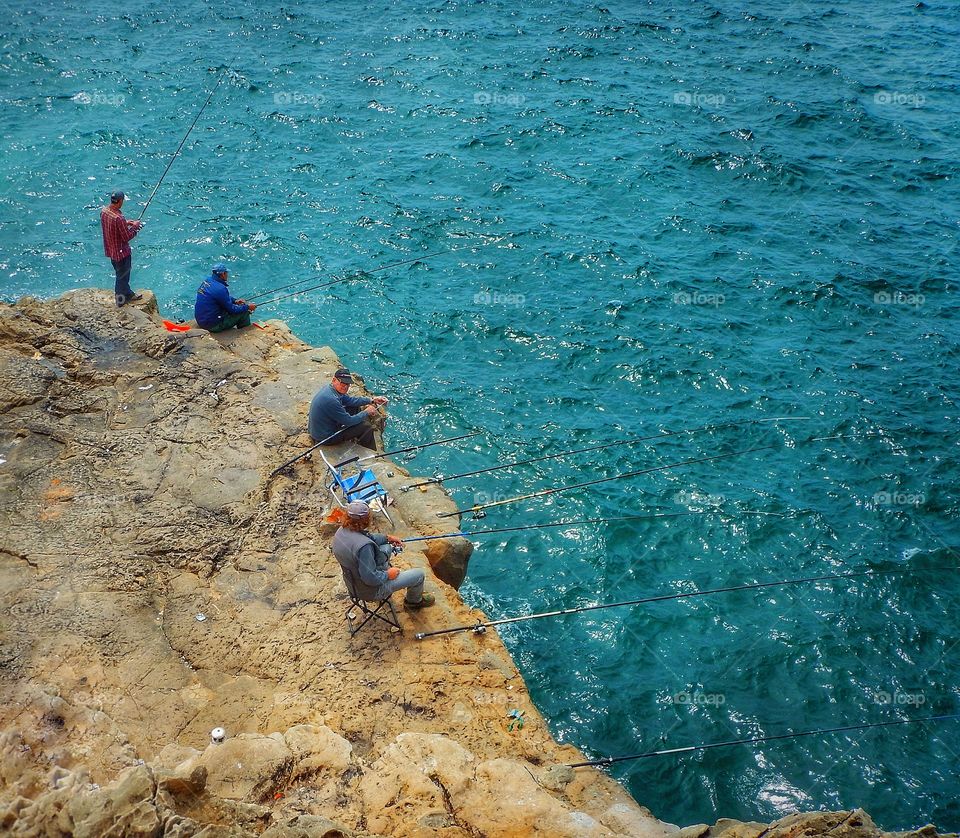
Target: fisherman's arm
<point>355,402</point>
<point>367,566</point>
<point>224,299</point>
<point>237,307</point>
<point>338,414</point>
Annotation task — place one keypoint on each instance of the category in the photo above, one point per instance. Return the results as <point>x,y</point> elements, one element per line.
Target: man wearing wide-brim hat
<point>366,558</point>
<point>337,417</point>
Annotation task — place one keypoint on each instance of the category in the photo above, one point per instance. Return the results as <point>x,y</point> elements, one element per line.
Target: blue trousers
<point>121,289</point>
<point>412,580</point>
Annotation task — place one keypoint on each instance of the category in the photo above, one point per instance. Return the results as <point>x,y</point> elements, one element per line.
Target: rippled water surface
<point>708,216</point>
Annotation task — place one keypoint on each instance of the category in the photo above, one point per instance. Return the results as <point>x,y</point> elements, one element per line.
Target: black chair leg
<point>370,614</point>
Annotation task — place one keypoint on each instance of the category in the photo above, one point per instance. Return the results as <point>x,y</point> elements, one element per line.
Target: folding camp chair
<point>370,609</point>
<point>361,486</point>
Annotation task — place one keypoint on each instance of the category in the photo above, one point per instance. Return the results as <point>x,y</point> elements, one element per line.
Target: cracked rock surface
<point>157,582</point>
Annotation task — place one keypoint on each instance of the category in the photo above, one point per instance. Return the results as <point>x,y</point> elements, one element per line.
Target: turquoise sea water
<point>710,215</point>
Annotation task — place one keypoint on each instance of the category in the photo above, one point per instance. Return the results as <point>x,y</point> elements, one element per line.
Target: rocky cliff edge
<point>156,582</point>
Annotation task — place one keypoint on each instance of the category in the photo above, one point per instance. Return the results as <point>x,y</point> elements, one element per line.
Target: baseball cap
<point>358,509</point>
<point>343,374</point>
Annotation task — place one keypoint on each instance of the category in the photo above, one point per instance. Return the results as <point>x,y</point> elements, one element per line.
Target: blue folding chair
<point>360,486</point>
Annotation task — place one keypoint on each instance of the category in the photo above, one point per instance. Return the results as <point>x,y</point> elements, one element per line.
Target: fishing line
<point>313,447</point>
<point>223,73</point>
<point>756,739</point>
<point>405,450</point>
<point>478,508</point>
<point>473,533</point>
<point>544,492</point>
<point>441,478</point>
<point>480,627</point>
<point>359,274</point>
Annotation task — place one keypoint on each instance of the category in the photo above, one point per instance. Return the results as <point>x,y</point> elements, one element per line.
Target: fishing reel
<point>477,515</point>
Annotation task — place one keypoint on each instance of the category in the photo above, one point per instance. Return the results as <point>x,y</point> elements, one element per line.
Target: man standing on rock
<point>117,234</point>
<point>365,558</point>
<point>216,310</point>
<point>336,417</point>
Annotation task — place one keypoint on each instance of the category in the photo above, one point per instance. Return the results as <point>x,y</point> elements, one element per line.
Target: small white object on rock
<point>217,735</point>
<point>201,617</point>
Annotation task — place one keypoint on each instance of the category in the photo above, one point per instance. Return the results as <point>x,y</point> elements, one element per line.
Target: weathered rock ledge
<point>156,582</point>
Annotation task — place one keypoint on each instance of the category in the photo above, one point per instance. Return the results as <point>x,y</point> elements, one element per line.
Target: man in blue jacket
<point>216,310</point>
<point>336,417</point>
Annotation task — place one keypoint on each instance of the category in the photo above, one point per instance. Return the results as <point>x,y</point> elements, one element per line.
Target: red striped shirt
<point>117,232</point>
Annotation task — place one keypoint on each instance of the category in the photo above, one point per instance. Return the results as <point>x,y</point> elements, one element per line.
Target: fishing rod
<point>303,454</point>
<point>473,533</point>
<point>480,627</point>
<point>357,274</point>
<point>405,450</point>
<point>441,478</point>
<point>705,747</point>
<point>543,492</point>
<point>312,288</point>
<point>223,73</point>
<point>313,447</point>
<point>478,508</point>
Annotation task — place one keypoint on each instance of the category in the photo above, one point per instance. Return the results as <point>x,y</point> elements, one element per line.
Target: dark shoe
<point>425,602</point>
<point>134,298</point>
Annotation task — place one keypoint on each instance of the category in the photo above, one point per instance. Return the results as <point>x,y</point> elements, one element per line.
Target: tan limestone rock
<point>308,826</point>
<point>246,766</point>
<point>316,747</point>
<point>124,808</point>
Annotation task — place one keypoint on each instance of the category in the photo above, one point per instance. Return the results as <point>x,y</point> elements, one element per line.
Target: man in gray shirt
<point>336,417</point>
<point>365,558</point>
